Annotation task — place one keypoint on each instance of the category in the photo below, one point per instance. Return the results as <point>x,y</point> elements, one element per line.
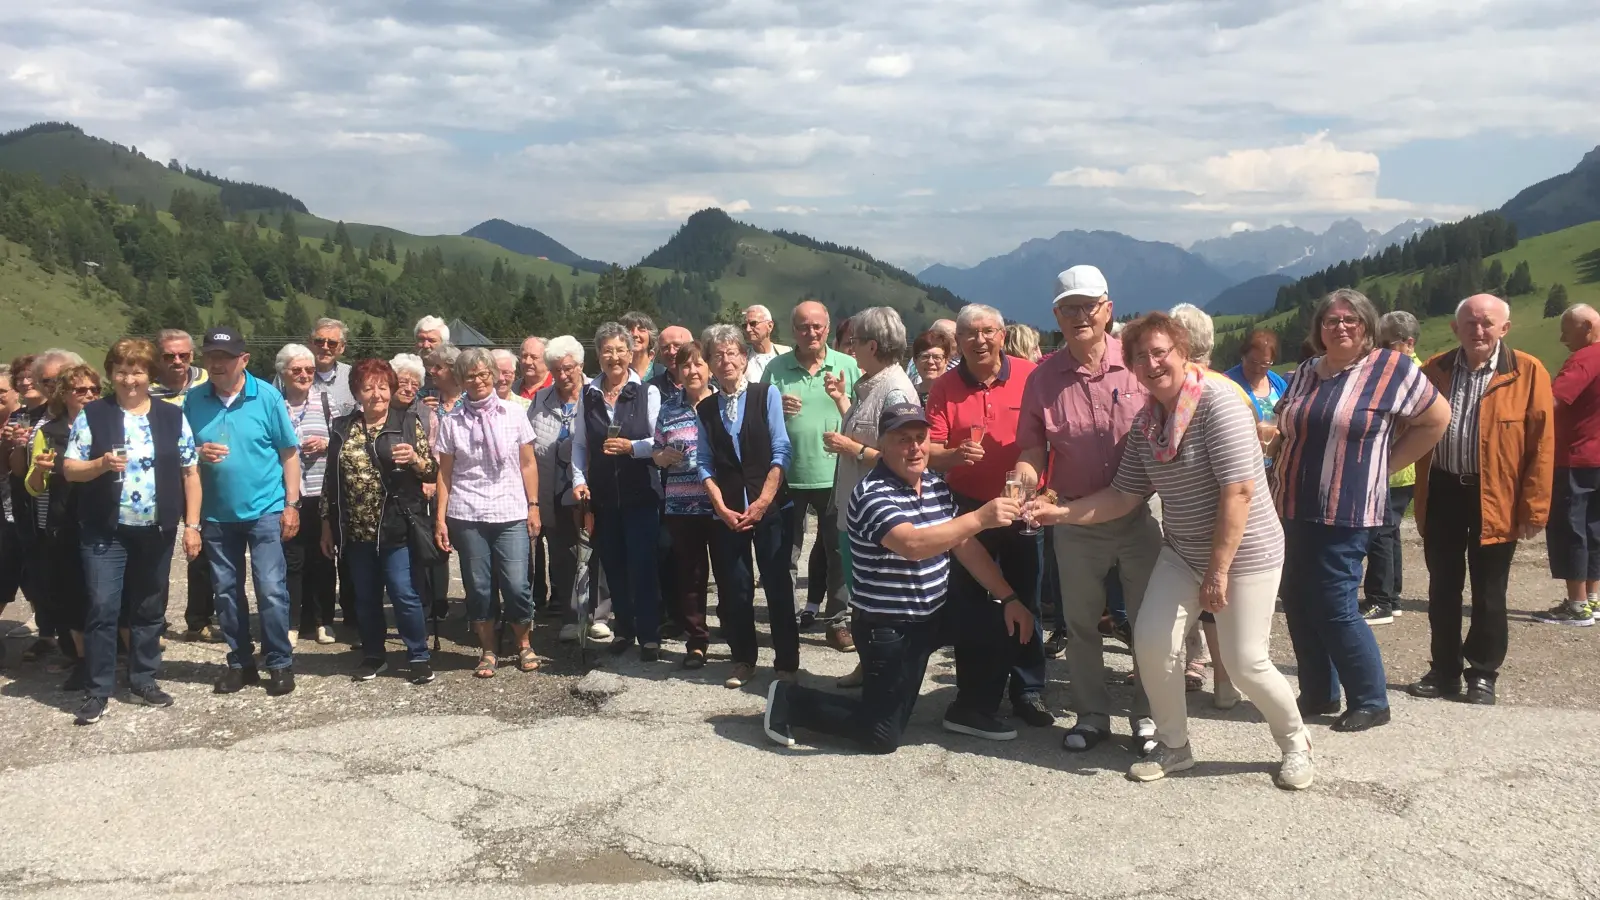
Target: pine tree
<point>341,235</point>
<point>1556,304</point>
<point>327,245</point>
<point>1494,280</point>
<point>1521,281</point>
<point>388,251</point>
<point>247,299</point>
<point>375,246</point>
<point>296,321</point>
<point>261,220</point>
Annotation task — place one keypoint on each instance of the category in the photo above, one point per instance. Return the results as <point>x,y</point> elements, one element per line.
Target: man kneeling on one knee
<point>903,530</point>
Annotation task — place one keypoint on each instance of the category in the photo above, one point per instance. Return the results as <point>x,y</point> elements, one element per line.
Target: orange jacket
<point>1516,444</point>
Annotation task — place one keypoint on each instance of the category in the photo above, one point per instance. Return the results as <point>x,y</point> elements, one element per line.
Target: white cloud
<point>897,65</point>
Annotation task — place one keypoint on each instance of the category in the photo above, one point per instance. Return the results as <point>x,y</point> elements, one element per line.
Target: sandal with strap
<point>1082,738</point>
<point>487,663</point>
<point>1194,676</point>
<point>527,660</point>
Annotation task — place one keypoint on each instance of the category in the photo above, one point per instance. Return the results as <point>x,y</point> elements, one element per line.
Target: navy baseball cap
<point>223,340</point>
<point>900,415</point>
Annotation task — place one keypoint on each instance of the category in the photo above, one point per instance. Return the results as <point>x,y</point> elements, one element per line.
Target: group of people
<point>965,488</point>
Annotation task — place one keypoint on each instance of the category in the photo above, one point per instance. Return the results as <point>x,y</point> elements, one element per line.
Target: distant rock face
<point>1293,251</point>
<point>1559,202</point>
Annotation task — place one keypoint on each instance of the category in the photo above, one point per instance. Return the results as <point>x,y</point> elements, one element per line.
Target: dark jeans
<point>824,569</point>
<point>626,538</point>
<point>372,570</point>
<point>312,592</point>
<point>1573,536</point>
<point>731,552</point>
<point>894,658</point>
<point>1333,645</point>
<point>988,657</point>
<point>225,544</point>
<point>11,557</point>
<point>202,599</point>
<point>668,573</point>
<point>126,569</point>
<point>691,538</point>
<point>62,585</point>
<point>1385,562</point>
<point>1451,545</point>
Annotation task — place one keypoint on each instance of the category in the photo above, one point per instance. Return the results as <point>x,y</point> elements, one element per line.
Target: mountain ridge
<point>532,242</point>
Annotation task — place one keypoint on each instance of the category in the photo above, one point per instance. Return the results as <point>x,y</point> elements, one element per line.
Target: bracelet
<point>1007,598</point>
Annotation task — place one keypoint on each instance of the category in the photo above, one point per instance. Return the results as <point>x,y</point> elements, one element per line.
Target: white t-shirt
<point>757,363</point>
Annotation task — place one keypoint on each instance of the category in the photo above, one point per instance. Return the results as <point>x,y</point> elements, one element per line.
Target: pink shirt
<point>479,492</point>
<point>1082,416</point>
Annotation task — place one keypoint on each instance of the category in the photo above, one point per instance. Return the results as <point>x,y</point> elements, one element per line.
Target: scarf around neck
<point>479,428</point>
<point>730,410</point>
<point>1164,432</point>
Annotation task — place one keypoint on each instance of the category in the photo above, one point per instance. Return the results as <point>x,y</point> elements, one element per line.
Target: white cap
<point>1080,281</point>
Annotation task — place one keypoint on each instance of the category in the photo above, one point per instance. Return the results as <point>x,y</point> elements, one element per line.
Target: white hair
<point>1504,306</point>
<point>503,356</point>
<point>54,355</point>
<point>325,323</point>
<point>883,325</point>
<point>444,353</point>
<point>558,348</point>
<point>408,364</point>
<point>173,334</point>
<point>762,313</point>
<point>721,334</point>
<point>1580,310</point>
<point>1202,333</point>
<point>470,359</point>
<point>972,312</point>
<point>289,354</point>
<point>432,323</point>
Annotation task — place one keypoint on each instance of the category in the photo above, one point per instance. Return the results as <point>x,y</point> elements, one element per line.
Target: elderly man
<point>250,488</point>
<point>333,376</point>
<point>672,337</point>
<point>642,331</point>
<point>430,332</point>
<point>1573,535</point>
<point>174,377</point>
<point>808,412</point>
<point>903,529</point>
<point>1078,406</point>
<point>972,416</point>
<point>535,375</point>
<point>1483,488</point>
<point>759,347</point>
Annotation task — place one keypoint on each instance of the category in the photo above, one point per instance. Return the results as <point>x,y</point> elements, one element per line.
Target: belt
<point>1468,480</point>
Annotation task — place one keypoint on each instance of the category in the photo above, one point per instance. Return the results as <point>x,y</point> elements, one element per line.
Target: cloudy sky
<point>923,131</point>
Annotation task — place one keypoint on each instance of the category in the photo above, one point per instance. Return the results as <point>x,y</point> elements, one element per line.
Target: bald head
<point>811,325</point>
<point>1481,321</point>
<point>1580,327</point>
<point>673,337</point>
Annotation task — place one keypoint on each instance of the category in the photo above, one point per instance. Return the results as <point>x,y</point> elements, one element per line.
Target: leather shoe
<point>1361,720</point>
<point>1433,686</point>
<point>234,680</point>
<point>1480,690</point>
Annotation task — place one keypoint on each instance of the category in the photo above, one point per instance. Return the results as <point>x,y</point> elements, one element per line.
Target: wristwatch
<point>295,505</point>
<point>861,455</point>
<point>194,528</point>
<point>1006,599</point>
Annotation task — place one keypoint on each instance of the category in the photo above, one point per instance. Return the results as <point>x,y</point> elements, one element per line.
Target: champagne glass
<point>120,451</point>
<point>1029,526</point>
<point>977,435</point>
<point>613,431</point>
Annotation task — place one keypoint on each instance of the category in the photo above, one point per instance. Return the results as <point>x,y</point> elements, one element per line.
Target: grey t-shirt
<point>1220,447</point>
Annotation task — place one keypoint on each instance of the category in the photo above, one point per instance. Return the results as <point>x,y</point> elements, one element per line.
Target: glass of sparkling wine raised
<point>1029,526</point>
<point>120,451</point>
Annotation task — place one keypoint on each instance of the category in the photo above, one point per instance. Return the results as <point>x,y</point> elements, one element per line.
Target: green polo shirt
<point>811,467</point>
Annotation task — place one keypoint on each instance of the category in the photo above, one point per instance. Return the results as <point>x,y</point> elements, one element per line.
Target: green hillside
<point>102,165</point>
<point>43,309</point>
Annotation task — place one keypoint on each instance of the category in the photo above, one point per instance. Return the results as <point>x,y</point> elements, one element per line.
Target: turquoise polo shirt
<point>811,467</point>
<point>248,484</point>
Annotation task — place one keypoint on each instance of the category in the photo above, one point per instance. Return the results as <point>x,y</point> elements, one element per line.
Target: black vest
<point>744,472</point>
<point>620,481</point>
<point>100,499</point>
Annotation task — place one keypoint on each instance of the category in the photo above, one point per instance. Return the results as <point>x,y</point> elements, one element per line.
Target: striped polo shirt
<point>884,582</point>
<point>1219,447</point>
<point>1457,452</point>
<point>1333,467</point>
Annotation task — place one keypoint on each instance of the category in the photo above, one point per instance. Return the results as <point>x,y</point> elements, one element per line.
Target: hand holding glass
<point>120,451</point>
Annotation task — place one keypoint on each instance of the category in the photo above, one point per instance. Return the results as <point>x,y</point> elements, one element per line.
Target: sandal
<point>695,659</point>
<point>1082,738</point>
<point>1194,677</point>
<point>487,663</point>
<point>527,660</point>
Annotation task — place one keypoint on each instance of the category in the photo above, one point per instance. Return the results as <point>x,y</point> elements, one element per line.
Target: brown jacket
<point>1516,443</point>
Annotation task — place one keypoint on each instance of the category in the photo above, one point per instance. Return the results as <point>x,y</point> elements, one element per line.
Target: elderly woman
<point>488,503</point>
<point>310,574</point>
<point>23,407</point>
<point>1353,415</point>
<point>505,376</point>
<point>687,508</point>
<point>135,463</point>
<point>444,395</point>
<point>612,469</point>
<point>1022,341</point>
<point>554,416</point>
<point>744,452</point>
<point>37,386</point>
<point>1194,443</point>
<point>1202,332</point>
<point>932,352</point>
<point>411,375</point>
<point>378,459</point>
<point>879,346</point>
<point>1254,373</point>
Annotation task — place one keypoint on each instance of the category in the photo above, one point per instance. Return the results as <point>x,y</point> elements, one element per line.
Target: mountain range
<point>1292,251</point>
<point>1560,202</point>
<point>532,242</point>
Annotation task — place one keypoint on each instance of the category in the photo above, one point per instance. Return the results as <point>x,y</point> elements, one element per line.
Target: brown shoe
<point>853,680</point>
<point>840,638</point>
<point>742,673</point>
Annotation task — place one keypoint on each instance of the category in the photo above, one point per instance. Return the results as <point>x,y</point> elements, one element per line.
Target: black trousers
<point>310,574</point>
<point>1452,546</point>
<point>824,568</point>
<point>986,654</point>
<point>202,605</point>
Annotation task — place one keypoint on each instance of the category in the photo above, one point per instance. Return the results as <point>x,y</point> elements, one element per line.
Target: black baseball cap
<point>900,415</point>
<point>223,340</point>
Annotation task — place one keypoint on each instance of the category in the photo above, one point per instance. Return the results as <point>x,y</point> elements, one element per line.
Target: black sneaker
<point>234,680</point>
<point>649,654</point>
<point>1377,614</point>
<point>77,678</point>
<point>619,645</point>
<point>962,720</point>
<point>369,669</point>
<point>91,711</point>
<point>1032,710</point>
<point>1056,645</point>
<point>282,681</point>
<point>806,618</point>
<point>775,719</point>
<point>151,695</point>
<point>421,673</point>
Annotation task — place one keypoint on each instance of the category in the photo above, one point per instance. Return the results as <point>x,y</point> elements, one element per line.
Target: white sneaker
<point>294,636</point>
<point>1297,771</point>
<point>569,632</point>
<point>1226,696</point>
<point>1161,762</point>
<point>324,634</point>
<point>599,631</point>
<point>1144,736</point>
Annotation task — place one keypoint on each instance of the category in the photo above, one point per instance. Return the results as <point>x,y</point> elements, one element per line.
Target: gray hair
<point>632,320</point>
<point>432,323</point>
<point>289,354</point>
<point>444,353</point>
<point>762,313</point>
<point>1202,333</point>
<point>408,364</point>
<point>1398,326</point>
<point>610,331</point>
<point>471,358</point>
<point>173,334</point>
<point>1504,306</point>
<point>325,323</point>
<point>53,355</point>
<point>972,312</point>
<point>722,334</point>
<point>1359,304</point>
<point>884,325</point>
<point>558,348</point>
<point>1579,310</point>
<point>501,356</point>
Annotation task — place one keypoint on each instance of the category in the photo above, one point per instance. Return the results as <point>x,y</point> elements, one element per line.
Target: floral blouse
<point>362,485</point>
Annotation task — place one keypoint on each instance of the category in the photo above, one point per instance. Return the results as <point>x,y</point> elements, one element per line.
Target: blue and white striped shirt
<point>886,583</point>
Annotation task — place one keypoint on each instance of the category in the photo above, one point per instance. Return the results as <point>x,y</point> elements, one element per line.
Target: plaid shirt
<point>479,492</point>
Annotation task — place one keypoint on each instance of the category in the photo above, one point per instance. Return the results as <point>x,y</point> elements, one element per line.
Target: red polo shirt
<point>957,402</point>
<point>1577,392</point>
<point>526,391</point>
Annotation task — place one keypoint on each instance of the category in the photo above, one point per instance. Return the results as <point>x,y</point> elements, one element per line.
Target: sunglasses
<point>87,390</point>
<point>176,357</point>
<point>326,342</point>
<point>302,370</point>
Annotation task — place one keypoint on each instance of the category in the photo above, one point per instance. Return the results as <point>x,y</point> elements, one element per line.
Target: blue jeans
<point>1333,645</point>
<point>731,552</point>
<point>127,568</point>
<point>371,570</point>
<point>626,539</point>
<point>225,544</point>
<point>491,552</point>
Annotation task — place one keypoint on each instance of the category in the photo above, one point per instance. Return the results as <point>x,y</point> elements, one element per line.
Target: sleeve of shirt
<point>1132,477</point>
<point>580,445</point>
<point>782,451</point>
<point>702,444</point>
<point>1576,374</point>
<point>938,414</point>
<point>524,428</point>
<point>188,456</point>
<point>1030,421</point>
<point>876,515</point>
<point>1230,441</point>
<point>1416,392</point>
<point>446,443</point>
<point>643,446</point>
<point>283,436</point>
<point>78,442</point>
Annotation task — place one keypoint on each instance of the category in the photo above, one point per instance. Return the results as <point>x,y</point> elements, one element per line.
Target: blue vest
<point>100,500</point>
<point>620,481</point>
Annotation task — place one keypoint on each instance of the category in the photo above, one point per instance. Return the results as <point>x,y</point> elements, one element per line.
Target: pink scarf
<point>1165,432</point>
<point>480,429</point>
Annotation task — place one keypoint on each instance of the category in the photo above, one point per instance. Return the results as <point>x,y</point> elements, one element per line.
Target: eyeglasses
<point>325,342</point>
<point>930,356</point>
<point>85,390</point>
<point>1158,355</point>
<point>481,375</point>
<point>727,354</point>
<point>1333,322</point>
<point>176,357</point>
<point>568,368</point>
<point>987,334</point>
<point>1079,310</point>
<point>301,370</point>
<point>811,329</point>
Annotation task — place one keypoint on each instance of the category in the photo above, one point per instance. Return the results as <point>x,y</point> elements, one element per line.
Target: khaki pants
<point>1244,629</point>
<point>1084,554</point>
